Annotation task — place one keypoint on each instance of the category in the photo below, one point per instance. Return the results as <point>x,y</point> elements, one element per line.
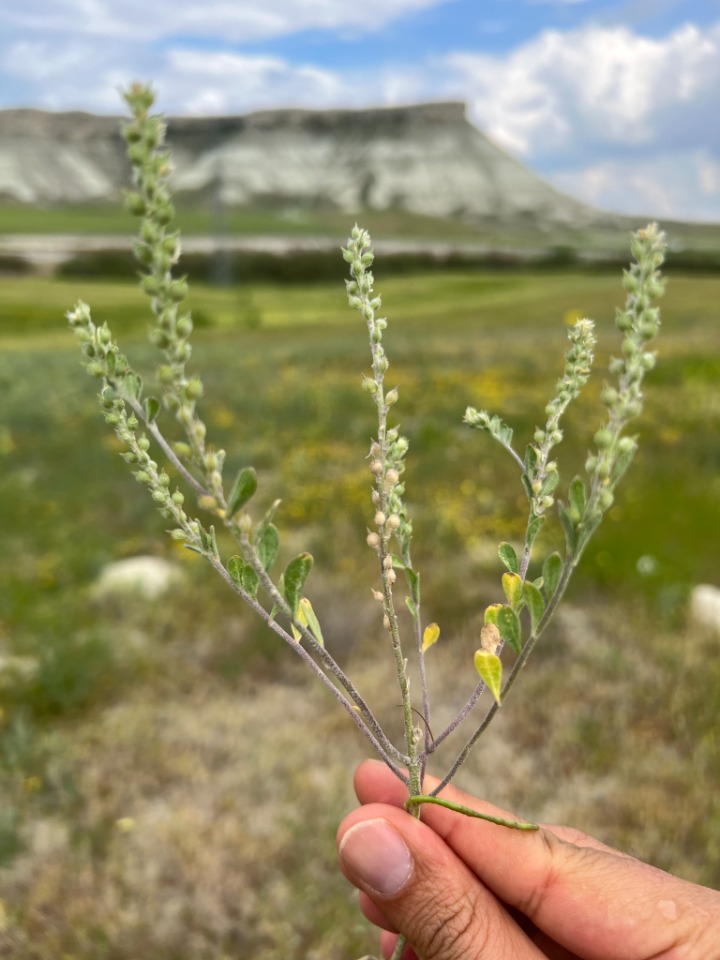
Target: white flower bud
<point>373,540</point>
<point>393,521</point>
<point>387,563</point>
<point>391,577</point>
<point>379,518</point>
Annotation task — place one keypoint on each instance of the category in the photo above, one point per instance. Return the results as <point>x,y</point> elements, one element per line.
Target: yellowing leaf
<point>489,666</point>
<point>489,637</point>
<point>306,616</point>
<point>430,636</point>
<point>491,612</point>
<point>513,587</point>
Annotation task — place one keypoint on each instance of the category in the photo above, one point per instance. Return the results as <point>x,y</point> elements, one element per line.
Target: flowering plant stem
<point>515,624</point>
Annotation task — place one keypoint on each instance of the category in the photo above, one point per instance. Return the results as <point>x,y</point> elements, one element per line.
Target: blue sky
<point>614,101</point>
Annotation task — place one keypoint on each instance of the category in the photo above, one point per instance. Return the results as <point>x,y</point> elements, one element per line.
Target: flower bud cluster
<point>544,476</point>
<point>158,251</point>
<point>121,386</point>
<point>639,322</point>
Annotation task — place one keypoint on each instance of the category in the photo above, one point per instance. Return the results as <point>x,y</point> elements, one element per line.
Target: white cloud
<point>232,20</point>
<point>575,91</point>
<point>227,82</point>
<point>671,186</point>
<point>618,119</point>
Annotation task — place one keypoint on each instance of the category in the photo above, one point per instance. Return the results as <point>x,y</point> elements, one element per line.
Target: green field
<point>105,826</point>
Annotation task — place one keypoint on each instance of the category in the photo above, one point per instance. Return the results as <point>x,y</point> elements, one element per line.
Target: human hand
<point>464,889</point>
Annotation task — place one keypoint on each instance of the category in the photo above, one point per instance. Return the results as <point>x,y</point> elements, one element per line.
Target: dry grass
<point>208,809</point>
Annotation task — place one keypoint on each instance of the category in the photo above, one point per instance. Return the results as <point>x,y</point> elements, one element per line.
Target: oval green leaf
<point>234,568</point>
<point>507,554</point>
<point>508,623</point>
<point>534,602</point>
<point>295,577</point>
<point>244,487</point>
<point>578,498</point>
<point>267,545</point>
<point>552,569</point>
<point>250,580</point>
<point>152,408</point>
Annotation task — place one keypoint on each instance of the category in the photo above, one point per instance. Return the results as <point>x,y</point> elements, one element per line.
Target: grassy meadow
<point>170,779</point>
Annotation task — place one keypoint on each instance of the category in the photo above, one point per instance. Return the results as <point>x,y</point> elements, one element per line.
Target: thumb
<point>423,889</point>
<point>586,897</point>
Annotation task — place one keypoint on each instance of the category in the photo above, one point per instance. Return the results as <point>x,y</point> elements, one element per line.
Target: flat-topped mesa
<point>424,158</point>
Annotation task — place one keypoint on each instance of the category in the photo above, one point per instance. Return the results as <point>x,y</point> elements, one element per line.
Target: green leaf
<point>508,623</point>
<point>244,487</point>
<point>413,579</point>
<point>531,458</point>
<point>513,587</point>
<point>295,577</point>
<point>132,385</point>
<point>491,613</point>
<point>430,636</point>
<point>568,528</point>
<point>250,580</point>
<point>508,556</point>
<point>552,570</point>
<point>206,538</point>
<point>527,484</point>
<point>534,602</point>
<point>235,568</point>
<point>152,408</point>
<point>267,544</point>
<point>534,527</point>
<point>213,541</point>
<point>243,575</point>
<point>489,666</point>
<point>578,498</point>
<point>549,484</point>
<point>621,464</point>
<point>306,616</point>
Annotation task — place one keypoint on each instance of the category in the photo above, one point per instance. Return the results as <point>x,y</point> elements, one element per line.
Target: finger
<point>425,890</point>
<point>375,783</point>
<point>585,896</point>
<point>374,914</point>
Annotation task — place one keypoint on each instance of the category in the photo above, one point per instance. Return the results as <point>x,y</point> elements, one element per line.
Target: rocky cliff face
<point>427,159</point>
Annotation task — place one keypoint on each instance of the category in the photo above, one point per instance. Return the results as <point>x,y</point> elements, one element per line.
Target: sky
<point>616,102</point>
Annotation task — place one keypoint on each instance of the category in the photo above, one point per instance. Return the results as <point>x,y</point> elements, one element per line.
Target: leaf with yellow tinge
<point>306,616</point>
<point>513,587</point>
<point>430,636</point>
<point>489,666</point>
<point>492,611</point>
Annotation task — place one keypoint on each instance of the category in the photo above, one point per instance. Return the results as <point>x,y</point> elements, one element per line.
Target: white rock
<point>144,576</point>
<point>705,606</point>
